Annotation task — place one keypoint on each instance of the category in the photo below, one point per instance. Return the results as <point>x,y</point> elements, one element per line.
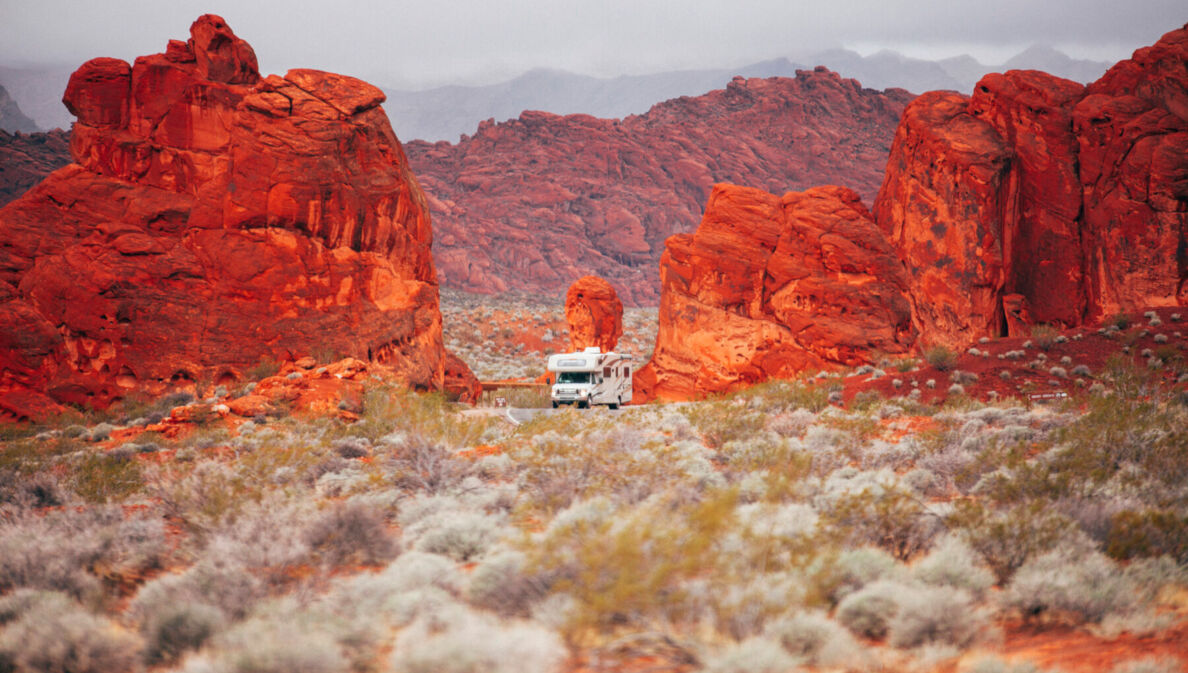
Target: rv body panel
<point>591,377</point>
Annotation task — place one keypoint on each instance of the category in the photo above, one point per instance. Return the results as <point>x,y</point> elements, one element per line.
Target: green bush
<point>1007,539</point>
<point>1070,584</point>
<point>941,358</point>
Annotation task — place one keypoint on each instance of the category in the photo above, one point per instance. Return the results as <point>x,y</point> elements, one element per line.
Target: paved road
<point>518,416</point>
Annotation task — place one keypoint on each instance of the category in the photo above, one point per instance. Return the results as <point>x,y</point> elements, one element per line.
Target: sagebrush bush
<point>816,640</point>
<point>952,563</point>
<point>180,628</point>
<point>853,569</point>
<point>215,581</point>
<point>352,533</point>
<point>71,550</point>
<point>1006,539</point>
<point>869,611</point>
<point>274,644</point>
<point>59,636</point>
<point>502,584</point>
<point>473,643</point>
<point>939,615</point>
<point>753,655</point>
<point>1070,584</point>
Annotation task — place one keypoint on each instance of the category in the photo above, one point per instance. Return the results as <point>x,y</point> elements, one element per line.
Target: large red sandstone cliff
<point>1069,200</point>
<point>214,218</point>
<point>534,203</point>
<point>1035,200</point>
<point>769,286</point>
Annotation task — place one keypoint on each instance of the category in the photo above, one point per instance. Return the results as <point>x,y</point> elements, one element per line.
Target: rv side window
<point>573,377</point>
<point>606,372</point>
<point>626,371</point>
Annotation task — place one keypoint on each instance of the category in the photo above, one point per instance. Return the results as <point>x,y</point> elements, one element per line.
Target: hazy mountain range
<point>445,113</point>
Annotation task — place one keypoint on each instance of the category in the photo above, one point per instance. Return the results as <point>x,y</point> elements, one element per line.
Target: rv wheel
<point>583,404</point>
<point>615,405</point>
<point>554,405</point>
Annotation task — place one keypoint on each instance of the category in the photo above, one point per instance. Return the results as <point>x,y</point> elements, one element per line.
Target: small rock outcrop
<point>594,314</point>
<point>214,218</point>
<point>769,286</point>
<point>26,159</point>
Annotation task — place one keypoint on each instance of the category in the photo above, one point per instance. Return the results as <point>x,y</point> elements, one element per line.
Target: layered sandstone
<point>594,314</point>
<point>1039,200</point>
<point>214,218</point>
<point>769,286</point>
<point>533,203</point>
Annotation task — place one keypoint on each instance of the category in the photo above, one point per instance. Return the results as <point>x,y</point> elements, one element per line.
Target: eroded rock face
<point>1040,200</point>
<point>532,204</point>
<point>594,314</point>
<point>1132,131</point>
<point>770,286</point>
<point>214,218</point>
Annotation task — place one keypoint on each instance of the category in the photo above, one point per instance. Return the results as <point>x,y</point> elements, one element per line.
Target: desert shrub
<point>1146,533</point>
<point>352,447</point>
<point>1044,336</point>
<point>100,477</point>
<point>868,612</point>
<point>940,615</point>
<point>890,517</point>
<point>266,644</point>
<point>630,568</point>
<point>501,583</point>
<point>816,640</point>
<point>1149,665</point>
<point>421,464</point>
<point>352,533</point>
<point>472,643</point>
<point>460,535</point>
<point>213,581</point>
<point>71,550</point>
<point>941,358</point>
<point>59,636</point>
<point>180,628</point>
<point>721,421</point>
<point>1083,586</point>
<point>852,569</point>
<point>1006,539</point>
<point>202,498</point>
<point>268,538</point>
<point>753,655</point>
<point>952,563</point>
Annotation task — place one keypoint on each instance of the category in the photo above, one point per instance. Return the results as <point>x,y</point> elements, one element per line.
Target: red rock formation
<point>1132,129</point>
<point>461,383</point>
<point>949,182</point>
<point>533,203</point>
<point>213,219</point>
<point>1070,201</point>
<point>768,287</point>
<point>594,314</point>
<point>25,160</point>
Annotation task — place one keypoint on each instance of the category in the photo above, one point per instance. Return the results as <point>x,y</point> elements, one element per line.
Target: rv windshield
<point>573,377</point>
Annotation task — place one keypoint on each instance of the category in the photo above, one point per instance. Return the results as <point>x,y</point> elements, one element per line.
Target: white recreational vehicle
<point>591,377</point>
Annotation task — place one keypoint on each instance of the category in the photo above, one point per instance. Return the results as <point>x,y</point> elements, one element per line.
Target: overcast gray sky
<point>429,42</point>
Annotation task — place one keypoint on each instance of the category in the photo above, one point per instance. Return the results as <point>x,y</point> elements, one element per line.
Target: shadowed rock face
<point>214,218</point>
<point>533,203</point>
<point>770,286</point>
<point>1070,200</point>
<point>594,314</point>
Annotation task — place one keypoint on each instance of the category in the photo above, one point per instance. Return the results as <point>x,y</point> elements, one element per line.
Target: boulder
<point>594,314</point>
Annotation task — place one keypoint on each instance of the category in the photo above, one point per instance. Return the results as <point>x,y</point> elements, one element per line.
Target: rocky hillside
<point>534,203</point>
<point>25,160</point>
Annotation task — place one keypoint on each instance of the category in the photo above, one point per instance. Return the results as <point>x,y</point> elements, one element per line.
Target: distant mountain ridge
<point>447,113</point>
<point>12,119</point>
